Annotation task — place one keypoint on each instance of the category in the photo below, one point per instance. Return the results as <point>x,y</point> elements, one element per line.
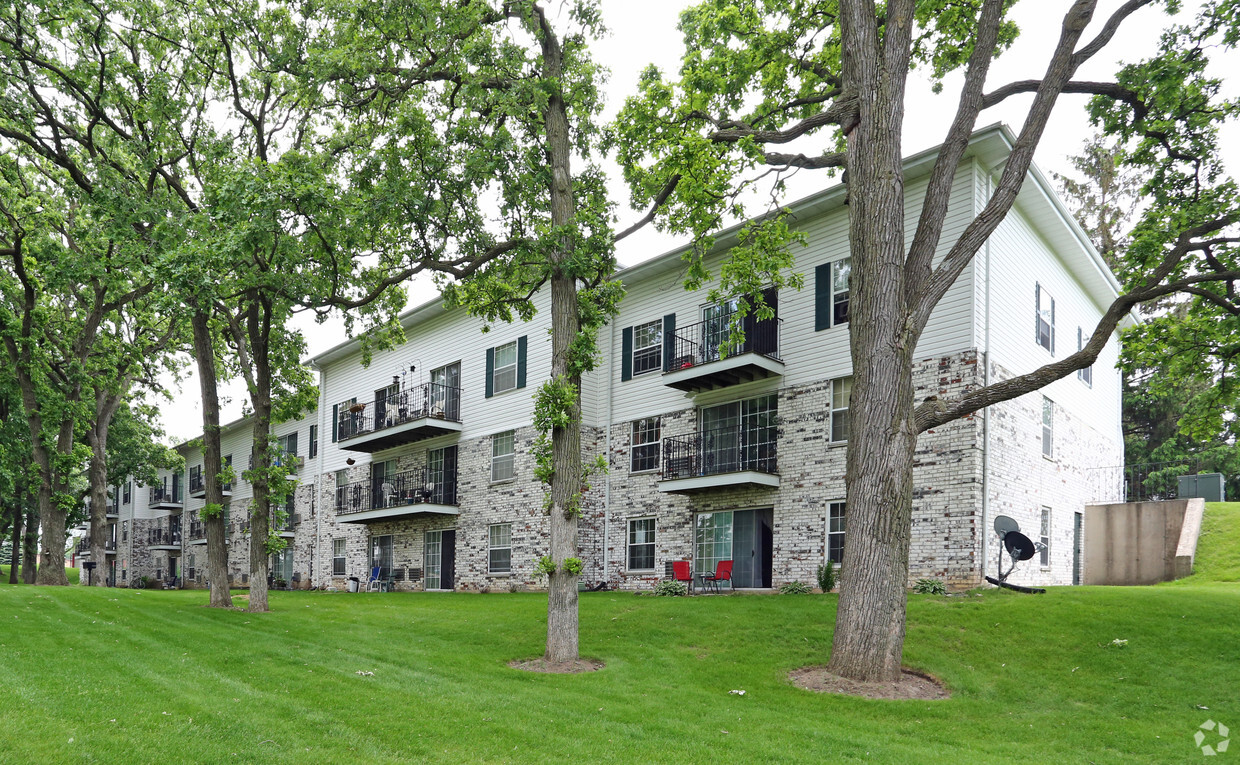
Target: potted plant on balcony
<point>357,408</point>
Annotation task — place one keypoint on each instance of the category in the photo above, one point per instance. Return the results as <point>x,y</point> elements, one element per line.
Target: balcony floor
<point>399,435</point>
<point>398,512</point>
<point>734,370</point>
<point>719,480</point>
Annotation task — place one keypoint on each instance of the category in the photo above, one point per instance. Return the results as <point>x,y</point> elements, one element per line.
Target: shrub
<point>930,587</point>
<point>826,577</point>
<point>794,588</point>
<point>671,588</point>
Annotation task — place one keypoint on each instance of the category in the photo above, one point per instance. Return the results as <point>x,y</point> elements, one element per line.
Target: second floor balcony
<point>165,538</point>
<point>398,495</point>
<point>700,357</point>
<point>728,456</point>
<point>83,548</point>
<point>397,416</point>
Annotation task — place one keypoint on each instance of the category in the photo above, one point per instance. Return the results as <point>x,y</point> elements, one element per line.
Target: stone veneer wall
<point>946,500</point>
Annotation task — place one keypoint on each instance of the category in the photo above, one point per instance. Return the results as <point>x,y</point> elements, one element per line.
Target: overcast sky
<point>644,32</point>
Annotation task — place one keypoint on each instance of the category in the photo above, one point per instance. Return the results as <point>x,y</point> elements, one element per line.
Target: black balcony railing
<point>1145,482</point>
<point>160,495</point>
<point>165,536</point>
<point>412,487</point>
<point>721,450</point>
<point>707,341</point>
<point>417,402</point>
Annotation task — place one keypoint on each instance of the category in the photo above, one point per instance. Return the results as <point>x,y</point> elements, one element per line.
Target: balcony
<point>113,510</point>
<point>168,539</point>
<point>198,533</point>
<point>163,499</point>
<point>398,496</point>
<point>710,459</point>
<point>198,486</point>
<point>109,547</point>
<point>695,363</point>
<point>403,417</point>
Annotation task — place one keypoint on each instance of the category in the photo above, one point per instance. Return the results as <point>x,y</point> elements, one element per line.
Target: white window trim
<point>343,558</point>
<point>826,546</point>
<point>512,454</point>
<point>1081,340</point>
<point>633,445</point>
<point>658,345</point>
<point>1040,295</point>
<point>491,549</point>
<point>628,545</point>
<point>1048,430</point>
<point>1046,540</point>
<point>496,369</point>
<point>834,292</point>
<point>833,409</point>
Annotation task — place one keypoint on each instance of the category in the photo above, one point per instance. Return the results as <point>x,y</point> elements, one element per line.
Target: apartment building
<point>420,463</point>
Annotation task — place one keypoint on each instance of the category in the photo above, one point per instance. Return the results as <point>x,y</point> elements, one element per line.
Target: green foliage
<point>574,566</point>
<point>670,588</point>
<point>826,577</point>
<point>930,587</point>
<point>545,566</point>
<point>795,588</point>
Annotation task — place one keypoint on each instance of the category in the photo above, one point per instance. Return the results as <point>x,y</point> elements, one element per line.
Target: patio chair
<point>723,573</point>
<point>683,572</point>
<point>375,582</point>
<point>389,493</point>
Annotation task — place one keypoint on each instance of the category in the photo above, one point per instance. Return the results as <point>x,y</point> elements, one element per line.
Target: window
<point>504,376</point>
<point>835,532</point>
<point>831,282</point>
<point>648,347</point>
<point>128,492</point>
<point>503,466</point>
<point>1048,428</point>
<point>314,441</point>
<point>740,435</point>
<point>644,451</point>
<point>641,544</point>
<point>124,531</point>
<point>381,554</point>
<point>712,540</point>
<point>1085,375</point>
<point>499,558</point>
<point>286,446</point>
<point>1046,537</point>
<point>841,396</point>
<point>337,557</point>
<point>1045,319</point>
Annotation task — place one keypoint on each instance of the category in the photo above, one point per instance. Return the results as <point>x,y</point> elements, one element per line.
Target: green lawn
<point>152,676</point>
<point>1218,549</point>
<point>72,573</point>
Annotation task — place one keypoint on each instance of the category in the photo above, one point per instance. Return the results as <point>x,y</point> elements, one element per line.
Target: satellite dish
<point>1005,525</point>
<point>1019,546</point>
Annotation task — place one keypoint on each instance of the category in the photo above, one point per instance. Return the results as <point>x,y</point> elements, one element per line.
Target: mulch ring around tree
<point>557,668</point>
<point>911,685</point>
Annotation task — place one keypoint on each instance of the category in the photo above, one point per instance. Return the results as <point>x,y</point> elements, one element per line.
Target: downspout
<point>985,531</point>
<point>318,478</point>
<point>611,347</point>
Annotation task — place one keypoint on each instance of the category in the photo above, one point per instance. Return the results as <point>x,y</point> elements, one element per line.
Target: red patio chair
<point>683,572</point>
<point>723,573</point>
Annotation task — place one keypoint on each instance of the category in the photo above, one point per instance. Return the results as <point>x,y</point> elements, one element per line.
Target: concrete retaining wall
<point>1141,542</point>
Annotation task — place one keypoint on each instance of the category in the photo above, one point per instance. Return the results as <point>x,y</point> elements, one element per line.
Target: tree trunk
<point>97,436</point>
<point>212,463</point>
<point>15,559</point>
<point>869,627</point>
<point>258,331</point>
<point>30,549</point>
<point>562,628</point>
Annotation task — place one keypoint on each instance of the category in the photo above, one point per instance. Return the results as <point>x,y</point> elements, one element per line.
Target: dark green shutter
<point>626,354</point>
<point>521,361</point>
<point>335,423</point>
<point>822,297</point>
<point>490,372</point>
<point>669,341</point>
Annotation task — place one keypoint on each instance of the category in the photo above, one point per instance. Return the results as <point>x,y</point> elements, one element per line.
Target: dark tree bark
<point>30,549</point>
<point>15,558</point>
<point>212,460</point>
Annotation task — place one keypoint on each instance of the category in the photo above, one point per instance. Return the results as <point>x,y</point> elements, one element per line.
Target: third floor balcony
<point>701,356</point>
<point>163,498</point>
<point>398,415</point>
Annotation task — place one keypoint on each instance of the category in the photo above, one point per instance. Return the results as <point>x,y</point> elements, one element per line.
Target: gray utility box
<point>1208,486</point>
